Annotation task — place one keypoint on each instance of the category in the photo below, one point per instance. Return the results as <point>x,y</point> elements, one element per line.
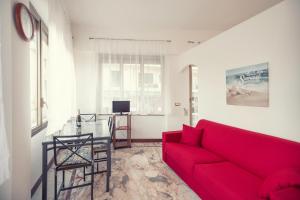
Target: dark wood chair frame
<point>73,146</point>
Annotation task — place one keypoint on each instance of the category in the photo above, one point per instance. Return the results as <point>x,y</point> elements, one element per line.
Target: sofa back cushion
<point>261,154</point>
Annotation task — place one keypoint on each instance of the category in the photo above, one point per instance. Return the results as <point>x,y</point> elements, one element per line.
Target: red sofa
<point>231,163</point>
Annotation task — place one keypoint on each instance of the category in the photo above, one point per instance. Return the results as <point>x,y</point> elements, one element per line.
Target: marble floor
<point>138,173</point>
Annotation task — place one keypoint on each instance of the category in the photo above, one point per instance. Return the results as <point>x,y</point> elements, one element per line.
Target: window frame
<point>42,30</point>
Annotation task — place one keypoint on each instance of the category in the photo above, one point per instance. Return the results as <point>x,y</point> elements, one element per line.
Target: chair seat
<point>74,159</point>
<point>102,158</point>
<point>72,166</point>
<point>99,149</point>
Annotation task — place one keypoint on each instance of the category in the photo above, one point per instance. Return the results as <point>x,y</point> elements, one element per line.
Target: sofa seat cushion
<point>187,156</point>
<point>227,181</point>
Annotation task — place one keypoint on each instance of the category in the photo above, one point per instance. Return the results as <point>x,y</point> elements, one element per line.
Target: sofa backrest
<point>258,153</point>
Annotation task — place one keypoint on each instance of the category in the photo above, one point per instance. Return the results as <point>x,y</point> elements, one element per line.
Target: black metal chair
<point>71,153</point>
<point>103,148</point>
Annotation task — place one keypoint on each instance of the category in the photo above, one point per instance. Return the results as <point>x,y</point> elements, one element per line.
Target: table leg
<point>108,165</point>
<point>44,172</point>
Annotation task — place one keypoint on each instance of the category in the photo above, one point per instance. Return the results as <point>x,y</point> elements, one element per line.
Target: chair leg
<point>55,185</point>
<point>84,174</point>
<point>107,181</point>
<point>63,179</point>
<point>97,163</point>
<point>92,182</point>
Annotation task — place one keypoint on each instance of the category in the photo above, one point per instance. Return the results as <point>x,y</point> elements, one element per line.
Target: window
<point>34,64</point>
<point>38,71</point>
<point>138,80</point>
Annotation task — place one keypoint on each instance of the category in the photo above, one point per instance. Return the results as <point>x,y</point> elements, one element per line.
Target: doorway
<point>193,94</point>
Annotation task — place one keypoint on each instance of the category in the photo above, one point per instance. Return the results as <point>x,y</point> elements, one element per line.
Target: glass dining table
<point>101,135</point>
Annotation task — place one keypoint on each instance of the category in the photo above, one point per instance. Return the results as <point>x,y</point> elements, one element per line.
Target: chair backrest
<point>77,148</point>
<point>111,128</point>
<point>88,117</point>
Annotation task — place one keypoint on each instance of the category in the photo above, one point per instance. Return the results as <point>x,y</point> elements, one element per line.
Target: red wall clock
<point>24,22</point>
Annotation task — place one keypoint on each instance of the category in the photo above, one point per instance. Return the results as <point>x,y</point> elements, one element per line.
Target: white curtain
<point>4,155</point>
<point>61,72</point>
<point>130,70</point>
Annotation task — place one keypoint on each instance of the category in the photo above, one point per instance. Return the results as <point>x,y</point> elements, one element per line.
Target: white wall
<point>17,105</point>
<point>86,80</point>
<point>272,36</point>
<point>149,127</point>
<point>21,115</point>
<point>5,21</point>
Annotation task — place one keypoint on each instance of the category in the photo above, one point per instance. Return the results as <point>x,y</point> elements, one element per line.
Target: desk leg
<point>44,172</point>
<point>108,165</point>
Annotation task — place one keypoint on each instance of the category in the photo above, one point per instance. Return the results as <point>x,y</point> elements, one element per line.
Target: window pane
<point>44,86</point>
<point>111,85</point>
<point>132,88</point>
<point>34,80</point>
<point>152,88</point>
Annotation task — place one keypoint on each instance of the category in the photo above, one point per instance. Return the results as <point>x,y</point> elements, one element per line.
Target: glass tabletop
<point>99,129</point>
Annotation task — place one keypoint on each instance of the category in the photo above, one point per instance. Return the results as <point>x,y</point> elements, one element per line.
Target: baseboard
<point>146,140</point>
<point>142,140</point>
<point>39,180</point>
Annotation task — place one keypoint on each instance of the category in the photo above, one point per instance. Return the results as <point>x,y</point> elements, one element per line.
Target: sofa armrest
<point>171,136</point>
<point>291,193</point>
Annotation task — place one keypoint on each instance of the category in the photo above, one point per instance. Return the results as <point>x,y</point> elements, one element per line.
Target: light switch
<point>177,104</point>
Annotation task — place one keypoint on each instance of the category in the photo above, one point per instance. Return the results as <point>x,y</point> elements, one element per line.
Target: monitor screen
<point>120,106</point>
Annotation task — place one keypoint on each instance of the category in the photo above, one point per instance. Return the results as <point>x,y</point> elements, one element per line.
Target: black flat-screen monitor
<point>121,106</point>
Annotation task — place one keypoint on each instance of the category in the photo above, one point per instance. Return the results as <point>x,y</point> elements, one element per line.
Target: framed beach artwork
<point>248,86</point>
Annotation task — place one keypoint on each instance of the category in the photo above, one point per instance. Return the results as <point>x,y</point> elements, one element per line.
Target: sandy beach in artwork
<point>249,98</point>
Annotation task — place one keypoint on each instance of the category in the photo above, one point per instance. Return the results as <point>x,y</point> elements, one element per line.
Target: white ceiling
<point>176,20</point>
<point>164,14</point>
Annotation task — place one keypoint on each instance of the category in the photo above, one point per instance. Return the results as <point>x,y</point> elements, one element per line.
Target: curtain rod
<point>128,39</point>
